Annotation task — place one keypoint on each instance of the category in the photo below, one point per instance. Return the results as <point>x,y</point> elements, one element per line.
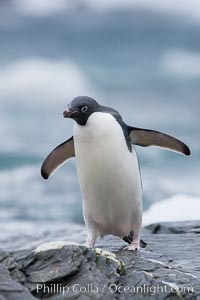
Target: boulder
<point>167,268</point>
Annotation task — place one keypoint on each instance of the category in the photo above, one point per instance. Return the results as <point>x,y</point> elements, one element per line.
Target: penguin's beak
<point>69,113</point>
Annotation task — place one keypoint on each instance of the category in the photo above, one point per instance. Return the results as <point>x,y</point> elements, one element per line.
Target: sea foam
<point>179,207</point>
<point>42,80</point>
<point>190,9</point>
<point>181,63</point>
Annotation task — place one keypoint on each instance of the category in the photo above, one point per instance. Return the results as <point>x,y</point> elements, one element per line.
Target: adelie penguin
<point>108,168</point>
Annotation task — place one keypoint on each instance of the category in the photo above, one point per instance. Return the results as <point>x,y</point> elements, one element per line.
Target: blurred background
<point>141,57</point>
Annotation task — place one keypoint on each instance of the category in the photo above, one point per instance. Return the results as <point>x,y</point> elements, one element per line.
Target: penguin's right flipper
<point>57,157</point>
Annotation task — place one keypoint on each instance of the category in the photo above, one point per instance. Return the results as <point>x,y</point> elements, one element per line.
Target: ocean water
<point>144,61</point>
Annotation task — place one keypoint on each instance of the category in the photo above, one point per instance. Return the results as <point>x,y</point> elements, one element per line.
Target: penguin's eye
<point>84,108</point>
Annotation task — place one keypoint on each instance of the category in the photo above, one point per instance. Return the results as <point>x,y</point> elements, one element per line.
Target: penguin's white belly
<point>109,177</point>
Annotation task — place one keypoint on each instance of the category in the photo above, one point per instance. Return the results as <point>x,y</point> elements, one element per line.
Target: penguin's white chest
<point>109,176</point>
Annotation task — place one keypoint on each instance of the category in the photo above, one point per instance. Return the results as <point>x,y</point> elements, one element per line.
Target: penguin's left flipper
<point>146,137</point>
<point>57,157</point>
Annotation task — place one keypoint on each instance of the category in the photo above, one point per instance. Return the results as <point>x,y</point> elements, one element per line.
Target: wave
<point>24,195</point>
<point>181,63</point>
<point>38,8</point>
<point>42,80</point>
<point>179,207</point>
<point>26,198</point>
<point>33,234</point>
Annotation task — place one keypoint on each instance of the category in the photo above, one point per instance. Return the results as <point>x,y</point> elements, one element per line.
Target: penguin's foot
<point>134,246</point>
<point>90,242</point>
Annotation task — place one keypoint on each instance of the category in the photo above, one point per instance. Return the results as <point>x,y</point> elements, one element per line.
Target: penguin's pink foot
<point>90,242</point>
<point>134,246</point>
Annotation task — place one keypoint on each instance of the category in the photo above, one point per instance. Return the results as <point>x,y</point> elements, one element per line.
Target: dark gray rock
<point>175,227</point>
<point>10,289</point>
<point>7,261</point>
<point>167,261</point>
<point>168,268</point>
<point>72,266</point>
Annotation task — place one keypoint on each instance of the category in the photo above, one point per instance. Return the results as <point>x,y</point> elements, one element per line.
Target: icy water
<point>145,64</point>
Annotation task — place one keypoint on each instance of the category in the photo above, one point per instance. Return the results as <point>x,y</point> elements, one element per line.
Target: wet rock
<point>175,227</point>
<point>167,268</point>
<point>73,267</point>
<point>10,289</point>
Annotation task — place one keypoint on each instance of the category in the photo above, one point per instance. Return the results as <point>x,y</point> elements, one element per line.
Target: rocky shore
<point>167,268</point>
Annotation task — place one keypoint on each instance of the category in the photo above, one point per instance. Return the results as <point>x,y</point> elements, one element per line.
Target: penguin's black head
<point>81,108</point>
